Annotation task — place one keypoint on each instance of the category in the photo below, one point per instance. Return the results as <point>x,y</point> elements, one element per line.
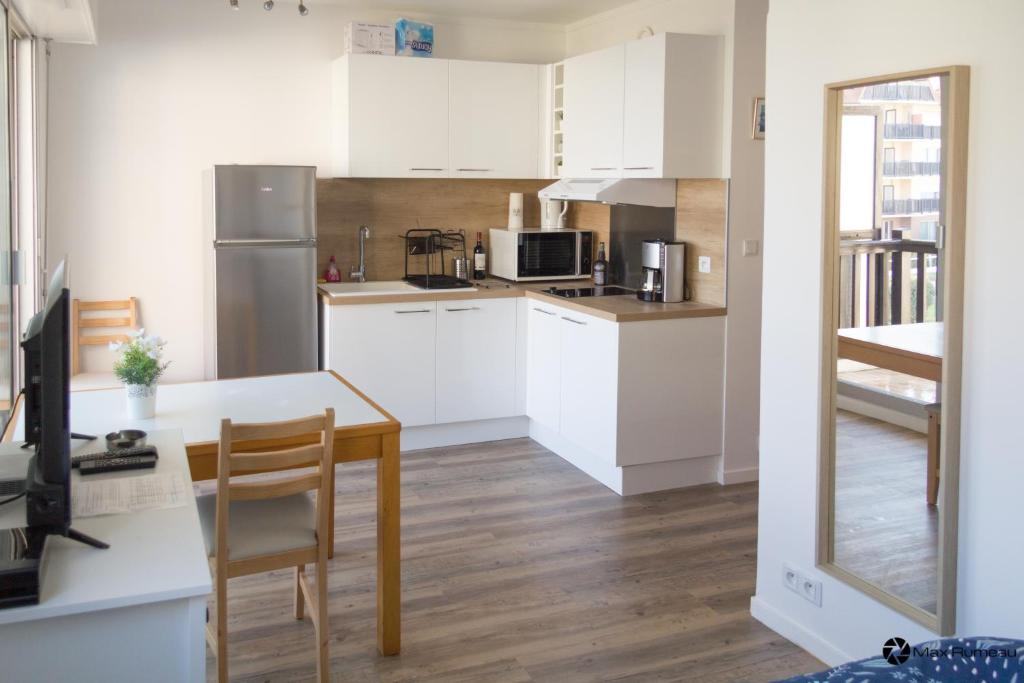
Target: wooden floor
<point>519,567</point>
<point>885,531</point>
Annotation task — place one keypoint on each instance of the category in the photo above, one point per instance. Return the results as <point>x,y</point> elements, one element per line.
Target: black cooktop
<point>577,292</point>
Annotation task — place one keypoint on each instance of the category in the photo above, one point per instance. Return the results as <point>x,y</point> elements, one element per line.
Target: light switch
<point>704,264</point>
<point>751,247</point>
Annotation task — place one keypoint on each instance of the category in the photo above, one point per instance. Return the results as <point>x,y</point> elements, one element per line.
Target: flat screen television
<point>47,350</point>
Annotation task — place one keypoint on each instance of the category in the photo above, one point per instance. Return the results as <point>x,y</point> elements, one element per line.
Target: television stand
<point>83,538</point>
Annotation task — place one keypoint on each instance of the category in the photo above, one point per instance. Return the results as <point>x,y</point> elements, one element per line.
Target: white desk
<point>133,612</point>
<point>363,431</point>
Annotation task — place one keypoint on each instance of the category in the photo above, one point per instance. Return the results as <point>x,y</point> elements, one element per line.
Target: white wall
<point>746,222</point>
<point>705,17</point>
<point>174,87</point>
<point>811,43</point>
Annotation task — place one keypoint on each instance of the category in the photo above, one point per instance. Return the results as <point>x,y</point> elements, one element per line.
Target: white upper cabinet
<point>495,124</point>
<point>405,117</point>
<point>390,117</point>
<point>593,120</point>
<point>651,108</point>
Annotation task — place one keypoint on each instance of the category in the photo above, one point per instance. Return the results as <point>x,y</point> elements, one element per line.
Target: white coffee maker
<point>552,214</point>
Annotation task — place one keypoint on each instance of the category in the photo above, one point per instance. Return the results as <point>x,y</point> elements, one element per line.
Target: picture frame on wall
<point>757,127</point>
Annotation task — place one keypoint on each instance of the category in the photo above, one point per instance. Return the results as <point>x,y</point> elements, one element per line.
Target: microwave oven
<point>535,254</point>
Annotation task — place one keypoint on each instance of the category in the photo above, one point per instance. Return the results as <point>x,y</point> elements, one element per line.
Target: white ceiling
<point>541,11</point>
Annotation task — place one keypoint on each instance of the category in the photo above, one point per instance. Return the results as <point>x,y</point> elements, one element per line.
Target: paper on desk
<point>128,494</point>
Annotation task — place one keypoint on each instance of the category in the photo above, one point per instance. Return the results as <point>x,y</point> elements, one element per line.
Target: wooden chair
<point>127,318</point>
<point>262,525</point>
<point>934,411</point>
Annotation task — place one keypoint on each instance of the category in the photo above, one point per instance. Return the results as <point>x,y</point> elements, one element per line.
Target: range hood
<point>637,191</point>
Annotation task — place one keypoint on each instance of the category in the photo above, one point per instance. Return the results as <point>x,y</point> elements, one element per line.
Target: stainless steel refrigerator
<point>265,270</point>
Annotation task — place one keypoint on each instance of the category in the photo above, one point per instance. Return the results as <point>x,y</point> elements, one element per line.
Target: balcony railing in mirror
<point>911,131</point>
<point>899,207</point>
<point>886,282</point>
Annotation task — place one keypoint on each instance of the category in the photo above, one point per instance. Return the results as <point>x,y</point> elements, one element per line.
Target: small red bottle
<point>332,274</point>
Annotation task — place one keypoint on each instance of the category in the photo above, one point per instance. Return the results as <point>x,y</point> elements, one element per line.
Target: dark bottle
<point>600,267</point>
<point>479,259</point>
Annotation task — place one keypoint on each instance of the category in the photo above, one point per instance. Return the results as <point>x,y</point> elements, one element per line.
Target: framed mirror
<point>895,180</point>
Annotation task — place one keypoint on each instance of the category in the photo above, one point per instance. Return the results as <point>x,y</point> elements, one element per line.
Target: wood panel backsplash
<point>701,222</point>
<point>390,206</point>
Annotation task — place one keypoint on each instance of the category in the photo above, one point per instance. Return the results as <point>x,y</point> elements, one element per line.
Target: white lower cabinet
<point>543,364</point>
<point>387,351</point>
<point>476,352</point>
<point>589,391</point>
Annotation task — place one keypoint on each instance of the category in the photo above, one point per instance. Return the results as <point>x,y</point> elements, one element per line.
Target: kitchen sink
<point>372,288</point>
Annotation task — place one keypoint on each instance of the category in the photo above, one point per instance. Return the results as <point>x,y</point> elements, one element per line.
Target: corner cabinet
<point>407,117</point>
<point>650,108</point>
<point>626,394</point>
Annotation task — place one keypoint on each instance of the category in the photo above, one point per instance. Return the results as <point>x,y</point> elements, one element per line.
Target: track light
<point>268,5</point>
<point>303,10</point>
<point>233,3</point>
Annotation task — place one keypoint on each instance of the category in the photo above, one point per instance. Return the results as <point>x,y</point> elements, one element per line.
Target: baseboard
<point>797,633</point>
<point>855,405</point>
<point>669,474</point>
<point>458,433</point>
<point>738,476</point>
<point>595,467</point>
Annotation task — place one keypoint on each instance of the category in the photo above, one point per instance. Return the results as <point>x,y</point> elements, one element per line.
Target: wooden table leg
<point>330,517</point>
<point>389,567</point>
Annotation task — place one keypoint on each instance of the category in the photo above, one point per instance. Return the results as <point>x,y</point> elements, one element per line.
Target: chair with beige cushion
<point>262,524</point>
<point>97,323</point>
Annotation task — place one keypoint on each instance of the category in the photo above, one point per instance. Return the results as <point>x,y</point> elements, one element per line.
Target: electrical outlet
<point>796,581</point>
<point>704,264</point>
<point>811,590</point>
<point>791,578</point>
<point>751,247</point>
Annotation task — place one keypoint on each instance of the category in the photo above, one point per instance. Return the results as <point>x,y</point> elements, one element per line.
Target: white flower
<point>115,346</point>
<point>137,333</point>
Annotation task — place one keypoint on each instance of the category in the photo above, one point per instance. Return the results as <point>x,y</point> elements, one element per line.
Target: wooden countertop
<point>620,309</point>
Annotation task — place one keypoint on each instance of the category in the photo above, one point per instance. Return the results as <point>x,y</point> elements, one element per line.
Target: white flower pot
<point>141,400</point>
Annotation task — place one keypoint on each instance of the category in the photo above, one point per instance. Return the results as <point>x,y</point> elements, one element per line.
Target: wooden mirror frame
<point>956,100</point>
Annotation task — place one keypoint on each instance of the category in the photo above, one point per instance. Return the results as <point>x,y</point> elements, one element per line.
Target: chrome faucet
<point>359,273</point>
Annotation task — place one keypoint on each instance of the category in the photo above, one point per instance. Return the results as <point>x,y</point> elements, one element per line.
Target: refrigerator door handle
<point>305,242</point>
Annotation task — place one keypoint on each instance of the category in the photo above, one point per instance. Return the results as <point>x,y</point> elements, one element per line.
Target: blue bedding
<point>950,660</point>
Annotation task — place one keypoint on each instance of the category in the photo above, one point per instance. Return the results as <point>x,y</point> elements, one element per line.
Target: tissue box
<point>414,38</point>
<point>369,39</point>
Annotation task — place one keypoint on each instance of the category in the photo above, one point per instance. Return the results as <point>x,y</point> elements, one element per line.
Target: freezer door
<point>265,202</point>
<point>266,310</point>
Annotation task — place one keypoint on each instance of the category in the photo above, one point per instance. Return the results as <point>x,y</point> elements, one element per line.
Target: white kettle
<point>552,214</point>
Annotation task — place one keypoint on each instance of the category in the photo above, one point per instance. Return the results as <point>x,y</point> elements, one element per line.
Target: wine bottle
<point>479,259</point>
<point>600,267</point>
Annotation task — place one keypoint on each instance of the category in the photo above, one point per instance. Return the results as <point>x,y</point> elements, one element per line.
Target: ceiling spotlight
<point>268,5</point>
<point>303,10</point>
<point>233,3</point>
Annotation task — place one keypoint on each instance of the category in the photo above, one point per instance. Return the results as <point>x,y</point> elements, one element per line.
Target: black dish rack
<point>432,244</point>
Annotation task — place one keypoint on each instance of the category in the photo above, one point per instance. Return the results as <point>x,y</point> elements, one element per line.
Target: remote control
<point>129,462</point>
<point>77,460</point>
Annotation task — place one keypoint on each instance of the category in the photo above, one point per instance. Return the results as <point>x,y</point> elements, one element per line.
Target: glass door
<point>8,327</point>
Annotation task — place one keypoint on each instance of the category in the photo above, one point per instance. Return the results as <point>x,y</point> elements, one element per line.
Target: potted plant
<point>139,366</point>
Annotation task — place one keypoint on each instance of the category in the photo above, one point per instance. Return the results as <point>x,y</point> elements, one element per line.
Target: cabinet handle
<point>578,322</point>
<point>638,168</point>
<point>541,310</point>
<point>426,169</point>
<point>455,310</point>
<point>418,310</point>
<point>603,168</point>
<point>476,170</point>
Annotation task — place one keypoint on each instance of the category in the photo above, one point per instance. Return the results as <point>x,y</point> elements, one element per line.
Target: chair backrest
<point>262,452</point>
<point>122,314</point>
